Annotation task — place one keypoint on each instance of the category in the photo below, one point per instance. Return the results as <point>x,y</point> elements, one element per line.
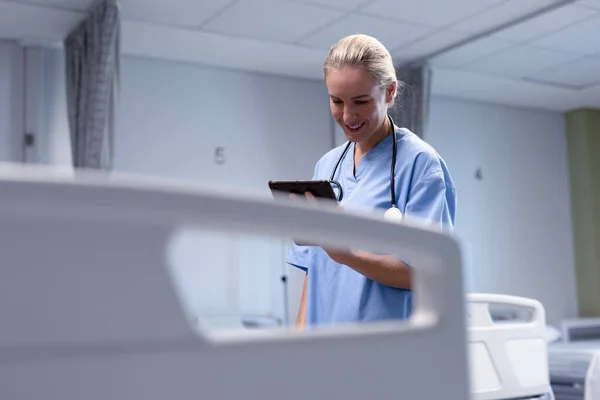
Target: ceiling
<point>533,53</point>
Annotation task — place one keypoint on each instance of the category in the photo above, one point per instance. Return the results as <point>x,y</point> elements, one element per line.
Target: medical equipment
<point>574,361</point>
<point>507,347</point>
<point>393,213</point>
<point>89,310</point>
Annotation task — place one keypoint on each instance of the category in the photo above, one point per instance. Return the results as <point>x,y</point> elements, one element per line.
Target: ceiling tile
<point>576,38</point>
<point>511,10</point>
<point>33,24</point>
<point>470,52</point>
<point>583,72</point>
<point>546,23</point>
<point>72,5</point>
<point>589,3</point>
<point>271,20</point>
<point>428,45</point>
<point>520,61</point>
<point>429,12</point>
<point>495,90</point>
<point>169,43</point>
<point>341,4</point>
<point>391,33</point>
<point>180,13</point>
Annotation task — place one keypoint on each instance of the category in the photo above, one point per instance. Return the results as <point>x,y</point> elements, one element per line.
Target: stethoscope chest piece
<point>393,214</point>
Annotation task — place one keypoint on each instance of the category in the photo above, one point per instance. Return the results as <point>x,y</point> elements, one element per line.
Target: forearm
<point>386,270</point>
<point>301,319</point>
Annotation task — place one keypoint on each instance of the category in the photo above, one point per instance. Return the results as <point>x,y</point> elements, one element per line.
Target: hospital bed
<point>507,347</point>
<point>88,309</point>
<point>574,360</point>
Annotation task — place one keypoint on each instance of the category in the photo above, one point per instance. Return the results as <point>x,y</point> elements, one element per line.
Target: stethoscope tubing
<point>333,182</point>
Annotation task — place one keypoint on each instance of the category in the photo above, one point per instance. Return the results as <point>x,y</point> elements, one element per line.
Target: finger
<point>311,198</point>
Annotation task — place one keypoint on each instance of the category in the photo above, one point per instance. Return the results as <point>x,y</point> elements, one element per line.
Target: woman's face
<point>357,103</point>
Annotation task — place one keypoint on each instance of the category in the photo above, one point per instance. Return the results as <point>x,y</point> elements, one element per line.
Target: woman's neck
<point>384,130</point>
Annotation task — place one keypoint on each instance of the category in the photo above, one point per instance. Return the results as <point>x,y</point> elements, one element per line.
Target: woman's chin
<point>355,137</point>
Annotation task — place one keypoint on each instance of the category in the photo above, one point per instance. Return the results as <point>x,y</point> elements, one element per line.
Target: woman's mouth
<point>354,128</point>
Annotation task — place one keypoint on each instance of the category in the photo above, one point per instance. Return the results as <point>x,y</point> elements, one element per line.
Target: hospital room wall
<point>172,118</point>
<point>516,219</point>
<point>515,222</point>
<point>11,101</point>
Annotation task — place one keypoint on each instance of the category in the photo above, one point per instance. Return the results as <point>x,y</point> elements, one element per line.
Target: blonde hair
<point>368,53</point>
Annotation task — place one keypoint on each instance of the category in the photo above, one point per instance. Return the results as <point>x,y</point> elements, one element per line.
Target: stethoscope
<point>393,213</point>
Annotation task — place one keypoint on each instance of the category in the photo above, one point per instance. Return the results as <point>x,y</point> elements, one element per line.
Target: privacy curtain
<point>411,109</point>
<point>92,77</point>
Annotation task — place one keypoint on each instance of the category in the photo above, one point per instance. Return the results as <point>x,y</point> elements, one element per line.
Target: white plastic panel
<point>88,308</point>
<point>485,377</point>
<point>507,347</point>
<point>527,360</point>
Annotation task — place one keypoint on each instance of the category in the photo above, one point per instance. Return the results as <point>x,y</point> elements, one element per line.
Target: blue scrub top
<point>338,294</point>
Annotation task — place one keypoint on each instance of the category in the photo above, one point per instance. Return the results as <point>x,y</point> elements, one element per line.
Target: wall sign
<point>220,155</point>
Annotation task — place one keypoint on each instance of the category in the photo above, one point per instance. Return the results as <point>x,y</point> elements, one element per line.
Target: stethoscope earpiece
<point>393,214</point>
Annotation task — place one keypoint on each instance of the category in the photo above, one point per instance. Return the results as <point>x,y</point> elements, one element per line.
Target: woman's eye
<point>361,102</point>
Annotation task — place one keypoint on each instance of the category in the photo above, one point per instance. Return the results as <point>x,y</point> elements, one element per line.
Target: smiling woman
<point>362,84</point>
<point>348,286</point>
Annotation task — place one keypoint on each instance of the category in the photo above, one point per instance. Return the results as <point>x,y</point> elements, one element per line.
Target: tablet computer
<point>318,188</point>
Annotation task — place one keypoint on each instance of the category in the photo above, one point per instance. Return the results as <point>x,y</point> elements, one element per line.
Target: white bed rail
<point>580,329</point>
<point>88,309</point>
<point>508,357</point>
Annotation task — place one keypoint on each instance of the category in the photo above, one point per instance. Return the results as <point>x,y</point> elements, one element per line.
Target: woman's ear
<point>390,92</point>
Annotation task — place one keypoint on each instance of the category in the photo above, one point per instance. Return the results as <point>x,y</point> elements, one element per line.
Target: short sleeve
<point>432,196</point>
<point>298,256</point>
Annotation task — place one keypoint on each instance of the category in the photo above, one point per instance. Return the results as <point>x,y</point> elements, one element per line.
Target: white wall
<point>11,101</point>
<point>53,143</point>
<point>172,118</point>
<point>270,127</point>
<point>516,220</point>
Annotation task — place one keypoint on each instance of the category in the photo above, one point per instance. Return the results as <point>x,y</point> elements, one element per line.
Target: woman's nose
<point>349,113</point>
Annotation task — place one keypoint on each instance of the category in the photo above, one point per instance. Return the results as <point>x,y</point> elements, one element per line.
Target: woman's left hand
<point>336,255</point>
<point>387,270</point>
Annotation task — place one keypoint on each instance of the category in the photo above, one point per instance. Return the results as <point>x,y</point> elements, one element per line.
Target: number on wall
<point>219,155</point>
